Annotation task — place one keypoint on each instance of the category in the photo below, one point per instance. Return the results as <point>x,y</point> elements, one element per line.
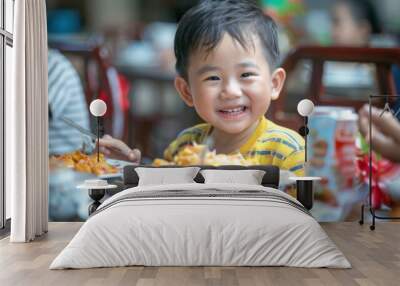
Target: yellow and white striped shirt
<point>270,144</point>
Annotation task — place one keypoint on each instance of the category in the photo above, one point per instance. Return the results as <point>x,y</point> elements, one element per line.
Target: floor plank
<point>374,255</point>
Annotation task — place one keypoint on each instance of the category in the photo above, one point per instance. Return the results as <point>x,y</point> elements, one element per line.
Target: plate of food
<point>198,154</point>
<point>103,168</point>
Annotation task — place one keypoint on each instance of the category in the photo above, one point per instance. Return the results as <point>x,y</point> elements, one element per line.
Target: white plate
<point>305,178</point>
<point>89,187</point>
<point>110,176</point>
<point>120,164</point>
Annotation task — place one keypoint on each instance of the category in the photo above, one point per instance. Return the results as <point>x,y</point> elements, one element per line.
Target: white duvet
<point>190,230</point>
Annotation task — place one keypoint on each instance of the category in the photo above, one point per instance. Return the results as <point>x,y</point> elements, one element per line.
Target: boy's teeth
<point>234,110</point>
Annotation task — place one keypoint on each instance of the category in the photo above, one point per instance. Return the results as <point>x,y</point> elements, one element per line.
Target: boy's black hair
<point>203,26</point>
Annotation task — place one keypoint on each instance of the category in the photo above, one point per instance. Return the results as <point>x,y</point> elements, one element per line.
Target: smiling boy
<point>227,53</point>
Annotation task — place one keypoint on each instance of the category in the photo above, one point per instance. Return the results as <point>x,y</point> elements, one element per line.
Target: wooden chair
<point>382,58</point>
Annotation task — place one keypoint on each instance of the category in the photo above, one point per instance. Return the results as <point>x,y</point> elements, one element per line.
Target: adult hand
<point>385,132</point>
<point>116,149</point>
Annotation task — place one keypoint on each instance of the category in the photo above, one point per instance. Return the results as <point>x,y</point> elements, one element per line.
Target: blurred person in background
<point>67,99</point>
<point>356,23</point>
<point>353,22</point>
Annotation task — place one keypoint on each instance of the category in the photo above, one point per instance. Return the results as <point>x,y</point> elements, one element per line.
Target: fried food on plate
<point>85,163</point>
<point>197,154</point>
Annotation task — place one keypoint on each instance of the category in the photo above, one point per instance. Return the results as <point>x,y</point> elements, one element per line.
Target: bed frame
<point>271,179</point>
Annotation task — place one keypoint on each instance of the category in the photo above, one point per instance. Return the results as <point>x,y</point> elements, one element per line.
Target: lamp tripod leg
<point>372,227</point>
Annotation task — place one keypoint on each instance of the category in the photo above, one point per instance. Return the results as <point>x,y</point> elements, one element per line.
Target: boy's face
<point>231,87</point>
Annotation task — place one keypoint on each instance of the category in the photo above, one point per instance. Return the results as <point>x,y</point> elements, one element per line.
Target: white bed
<point>201,224</point>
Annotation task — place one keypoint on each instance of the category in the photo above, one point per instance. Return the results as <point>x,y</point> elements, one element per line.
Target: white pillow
<point>248,177</point>
<point>163,176</point>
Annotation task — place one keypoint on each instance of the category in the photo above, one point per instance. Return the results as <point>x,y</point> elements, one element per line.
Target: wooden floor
<point>374,255</point>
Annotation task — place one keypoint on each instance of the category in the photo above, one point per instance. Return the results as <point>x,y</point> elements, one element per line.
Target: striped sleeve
<point>66,98</point>
<point>64,85</point>
<point>295,162</point>
<point>281,147</point>
<point>292,145</point>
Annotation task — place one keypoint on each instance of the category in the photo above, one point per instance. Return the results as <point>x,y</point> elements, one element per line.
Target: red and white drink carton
<point>332,152</point>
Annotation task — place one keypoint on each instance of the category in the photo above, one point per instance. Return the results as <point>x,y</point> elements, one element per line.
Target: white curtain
<point>27,124</point>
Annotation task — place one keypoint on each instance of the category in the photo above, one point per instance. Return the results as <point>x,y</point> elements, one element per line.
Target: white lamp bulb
<point>305,107</point>
<point>98,107</point>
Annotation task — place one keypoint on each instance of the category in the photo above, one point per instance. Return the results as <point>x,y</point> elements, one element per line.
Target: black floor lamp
<point>304,185</point>
<point>305,108</point>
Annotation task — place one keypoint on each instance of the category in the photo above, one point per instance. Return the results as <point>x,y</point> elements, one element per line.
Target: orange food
<point>85,163</point>
<point>200,155</point>
<point>161,162</point>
